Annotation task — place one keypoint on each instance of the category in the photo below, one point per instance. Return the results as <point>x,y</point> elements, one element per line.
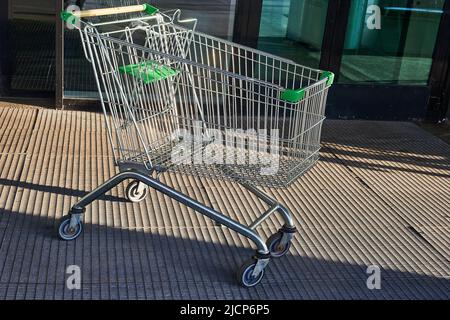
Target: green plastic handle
<point>329,75</point>
<point>293,96</point>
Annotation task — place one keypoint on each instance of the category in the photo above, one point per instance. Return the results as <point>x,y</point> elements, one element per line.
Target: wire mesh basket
<point>176,99</point>
<point>186,101</point>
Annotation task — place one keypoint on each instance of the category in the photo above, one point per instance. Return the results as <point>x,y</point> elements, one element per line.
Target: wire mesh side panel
<point>251,63</point>
<point>244,131</point>
<point>200,105</point>
<point>137,89</point>
<point>251,133</point>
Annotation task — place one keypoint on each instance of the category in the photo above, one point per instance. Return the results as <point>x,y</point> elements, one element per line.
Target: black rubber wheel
<point>245,274</point>
<point>273,244</point>
<point>65,232</point>
<point>133,194</point>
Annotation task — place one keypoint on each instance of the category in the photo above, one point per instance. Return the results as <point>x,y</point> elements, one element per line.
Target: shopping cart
<point>178,100</point>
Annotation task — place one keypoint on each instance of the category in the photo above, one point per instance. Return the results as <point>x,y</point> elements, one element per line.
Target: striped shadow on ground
<point>379,195</point>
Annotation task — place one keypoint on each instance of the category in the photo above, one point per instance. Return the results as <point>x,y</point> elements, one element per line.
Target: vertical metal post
<point>59,53</point>
<point>247,21</point>
<point>4,49</point>
<point>334,35</point>
<point>439,82</point>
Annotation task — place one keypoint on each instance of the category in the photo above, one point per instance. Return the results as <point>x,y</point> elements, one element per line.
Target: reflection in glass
<point>293,29</point>
<point>399,49</point>
<point>31,47</point>
<point>214,17</point>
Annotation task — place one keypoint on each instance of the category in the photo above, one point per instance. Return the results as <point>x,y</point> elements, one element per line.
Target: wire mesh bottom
<point>258,168</point>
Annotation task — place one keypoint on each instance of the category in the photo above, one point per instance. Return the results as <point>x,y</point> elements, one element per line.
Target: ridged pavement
<point>380,195</point>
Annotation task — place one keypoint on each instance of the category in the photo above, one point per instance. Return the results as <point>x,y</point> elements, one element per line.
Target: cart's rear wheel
<point>136,193</point>
<point>276,249</point>
<point>67,233</point>
<point>245,275</point>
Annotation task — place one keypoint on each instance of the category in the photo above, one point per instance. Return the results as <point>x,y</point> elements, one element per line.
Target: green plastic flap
<point>293,96</point>
<point>65,15</point>
<point>329,75</point>
<point>148,71</point>
<point>150,9</point>
<point>68,17</point>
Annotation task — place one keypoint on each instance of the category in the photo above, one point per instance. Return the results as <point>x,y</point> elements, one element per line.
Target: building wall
<point>32,9</point>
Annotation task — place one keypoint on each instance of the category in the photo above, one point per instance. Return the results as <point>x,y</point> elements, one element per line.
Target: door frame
<point>5,73</point>
<point>366,101</point>
<point>439,100</point>
<point>247,20</point>
<point>334,35</point>
<point>59,56</point>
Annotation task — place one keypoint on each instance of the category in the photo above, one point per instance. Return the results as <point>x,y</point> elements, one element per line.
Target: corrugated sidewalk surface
<point>379,196</point>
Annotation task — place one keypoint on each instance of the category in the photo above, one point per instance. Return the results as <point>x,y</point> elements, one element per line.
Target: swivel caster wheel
<point>245,275</point>
<point>136,192</point>
<point>275,247</point>
<point>66,232</point>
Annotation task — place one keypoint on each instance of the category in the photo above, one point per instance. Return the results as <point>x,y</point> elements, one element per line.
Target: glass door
<point>390,41</point>
<point>28,54</point>
<point>293,29</point>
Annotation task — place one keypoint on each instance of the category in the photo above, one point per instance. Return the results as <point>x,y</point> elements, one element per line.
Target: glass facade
<point>293,29</point>
<point>216,18</point>
<point>390,41</point>
<point>30,48</point>
<point>387,41</point>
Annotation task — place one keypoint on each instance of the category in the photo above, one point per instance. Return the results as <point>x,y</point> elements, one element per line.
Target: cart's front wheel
<point>66,232</point>
<point>136,191</point>
<point>245,274</point>
<point>275,247</point>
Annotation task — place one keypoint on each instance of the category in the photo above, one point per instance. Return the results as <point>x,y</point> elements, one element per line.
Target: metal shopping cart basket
<point>176,99</point>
